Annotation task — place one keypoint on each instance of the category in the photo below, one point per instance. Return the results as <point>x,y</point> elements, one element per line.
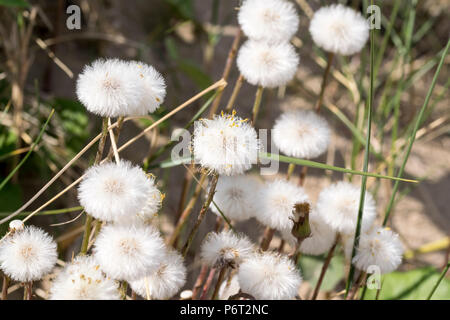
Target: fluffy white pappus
<point>235,196</point>
<point>82,279</point>
<point>338,205</point>
<point>229,287</point>
<point>166,281</point>
<point>109,88</point>
<point>28,254</point>
<point>380,248</point>
<point>339,29</point>
<point>276,202</point>
<point>225,144</point>
<point>270,20</point>
<point>269,276</point>
<point>321,239</point>
<point>154,87</point>
<point>225,248</point>
<point>116,191</point>
<point>301,134</point>
<point>128,252</point>
<point>267,65</point>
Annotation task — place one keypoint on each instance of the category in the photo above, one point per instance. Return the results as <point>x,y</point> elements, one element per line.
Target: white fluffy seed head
<point>83,279</point>
<point>321,239</point>
<point>154,87</point>
<point>109,88</point>
<point>118,191</point>
<point>339,29</point>
<point>379,247</point>
<point>267,65</point>
<point>16,225</point>
<point>338,205</point>
<point>225,248</point>
<point>276,201</point>
<point>270,20</point>
<point>166,281</point>
<point>128,252</point>
<point>235,197</point>
<point>269,277</point>
<point>226,144</point>
<point>28,254</point>
<point>301,134</point>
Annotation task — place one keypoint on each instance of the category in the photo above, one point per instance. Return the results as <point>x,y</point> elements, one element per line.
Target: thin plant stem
<point>290,171</point>
<point>439,280</point>
<point>199,282</point>
<point>325,266</point>
<point>220,278</point>
<point>361,279</point>
<point>98,157</point>
<point>226,71</point>
<point>324,81</point>
<point>187,211</point>
<point>234,94</point>
<point>5,286</point>
<point>28,291</point>
<point>303,173</point>
<point>267,238</point>
<point>202,214</point>
<point>113,143</point>
<point>208,283</point>
<point>365,165</point>
<point>257,104</point>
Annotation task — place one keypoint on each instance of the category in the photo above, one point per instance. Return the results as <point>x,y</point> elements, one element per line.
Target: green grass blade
<point>11,174</point>
<point>366,163</point>
<point>412,137</point>
<point>44,213</point>
<point>439,280</point>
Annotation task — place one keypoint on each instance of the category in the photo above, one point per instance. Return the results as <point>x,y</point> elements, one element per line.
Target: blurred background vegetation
<point>188,42</point>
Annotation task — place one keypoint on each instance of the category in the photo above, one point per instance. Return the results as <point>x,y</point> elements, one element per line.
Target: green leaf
<point>311,267</point>
<point>14,3</point>
<point>411,285</point>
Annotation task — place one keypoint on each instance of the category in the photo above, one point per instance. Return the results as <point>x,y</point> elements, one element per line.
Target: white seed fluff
<point>276,202</point>
<point>301,134</point>
<point>83,279</point>
<point>16,225</point>
<point>235,196</point>
<point>128,252</point>
<point>154,87</point>
<point>225,248</point>
<point>110,88</point>
<point>339,29</point>
<point>268,20</point>
<point>28,254</point>
<point>267,65</point>
<point>338,205</point>
<point>115,191</point>
<point>166,281</point>
<point>226,144</point>
<point>229,287</point>
<point>380,247</point>
<point>321,239</point>
<point>269,277</point>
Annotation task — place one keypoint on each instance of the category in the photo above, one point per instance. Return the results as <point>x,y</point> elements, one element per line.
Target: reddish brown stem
<point>267,238</point>
<point>199,282</point>
<point>208,283</point>
<point>324,269</point>
<point>5,287</point>
<point>219,282</point>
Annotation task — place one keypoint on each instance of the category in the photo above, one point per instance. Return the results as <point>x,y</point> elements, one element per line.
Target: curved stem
<point>257,104</point>
<point>324,269</point>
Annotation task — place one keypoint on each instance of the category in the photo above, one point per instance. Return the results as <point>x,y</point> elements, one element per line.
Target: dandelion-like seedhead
<point>380,247</point>
<point>118,192</point>
<point>269,276</point>
<point>225,144</point>
<point>109,88</point>
<point>82,279</point>
<point>338,205</point>
<point>267,65</point>
<point>339,29</point>
<point>166,281</point>
<point>270,20</point>
<point>154,87</point>
<point>235,197</point>
<point>225,248</point>
<point>128,252</point>
<point>321,239</point>
<point>28,254</point>
<point>301,134</point>
<point>276,201</point>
